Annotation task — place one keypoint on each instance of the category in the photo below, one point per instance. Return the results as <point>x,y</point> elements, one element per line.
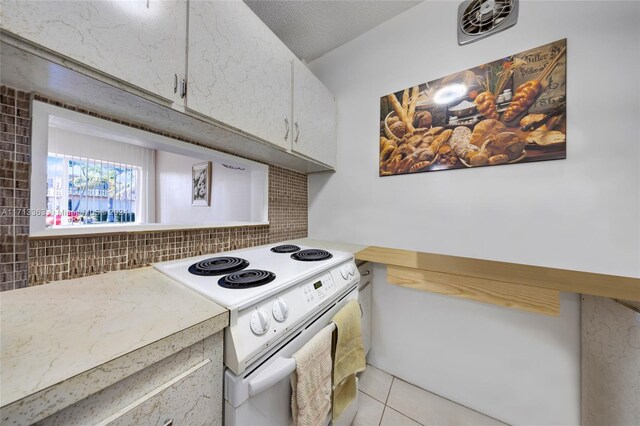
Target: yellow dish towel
<point>348,357</point>
<point>311,382</point>
<point>343,394</point>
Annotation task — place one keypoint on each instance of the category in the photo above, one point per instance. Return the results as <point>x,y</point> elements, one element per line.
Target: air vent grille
<point>478,19</point>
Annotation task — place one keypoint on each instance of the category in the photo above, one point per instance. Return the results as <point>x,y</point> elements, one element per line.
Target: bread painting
<point>505,111</point>
<point>484,129</point>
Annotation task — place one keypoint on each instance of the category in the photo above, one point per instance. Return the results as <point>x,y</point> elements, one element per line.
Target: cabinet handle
<point>183,88</point>
<point>297,132</point>
<point>286,123</point>
<point>175,83</point>
<point>168,422</point>
<point>365,274</point>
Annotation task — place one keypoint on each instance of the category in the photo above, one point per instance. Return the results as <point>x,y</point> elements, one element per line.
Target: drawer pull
<point>286,123</point>
<point>168,422</point>
<point>364,274</point>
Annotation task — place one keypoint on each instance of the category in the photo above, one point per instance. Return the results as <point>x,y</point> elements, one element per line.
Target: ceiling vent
<point>478,19</point>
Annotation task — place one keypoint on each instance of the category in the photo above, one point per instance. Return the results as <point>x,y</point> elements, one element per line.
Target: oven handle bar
<point>279,370</point>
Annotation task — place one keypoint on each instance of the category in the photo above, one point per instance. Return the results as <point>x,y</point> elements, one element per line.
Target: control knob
<point>259,321</point>
<point>344,272</point>
<point>351,268</point>
<point>280,310</point>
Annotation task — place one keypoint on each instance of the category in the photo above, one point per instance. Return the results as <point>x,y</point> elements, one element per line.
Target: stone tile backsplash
<point>15,169</point>
<point>31,261</point>
<point>62,258</point>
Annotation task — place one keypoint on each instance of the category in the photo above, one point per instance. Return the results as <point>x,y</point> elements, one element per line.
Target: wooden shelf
<point>533,288</point>
<point>532,299</point>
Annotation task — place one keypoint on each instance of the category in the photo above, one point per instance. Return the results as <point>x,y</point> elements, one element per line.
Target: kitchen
<point>307,144</point>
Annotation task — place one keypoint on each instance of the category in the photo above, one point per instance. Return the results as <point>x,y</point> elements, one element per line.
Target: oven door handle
<point>280,369</point>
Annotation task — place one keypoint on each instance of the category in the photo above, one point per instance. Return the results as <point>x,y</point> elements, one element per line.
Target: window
<point>95,179</point>
<point>90,176</point>
<point>85,191</point>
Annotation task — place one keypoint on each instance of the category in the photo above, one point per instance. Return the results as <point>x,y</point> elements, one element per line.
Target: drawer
<point>185,400</point>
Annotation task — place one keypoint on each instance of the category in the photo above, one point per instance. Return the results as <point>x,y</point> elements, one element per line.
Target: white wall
<point>580,213</point>
<point>232,193</point>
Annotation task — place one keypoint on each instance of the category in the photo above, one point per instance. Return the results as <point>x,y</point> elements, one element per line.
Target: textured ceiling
<point>311,28</point>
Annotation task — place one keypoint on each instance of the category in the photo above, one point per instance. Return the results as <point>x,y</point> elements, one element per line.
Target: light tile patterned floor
<point>386,400</point>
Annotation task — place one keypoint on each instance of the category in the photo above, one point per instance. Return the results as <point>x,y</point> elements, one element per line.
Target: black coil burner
<point>311,255</point>
<point>218,266</point>
<point>285,248</point>
<point>247,279</point>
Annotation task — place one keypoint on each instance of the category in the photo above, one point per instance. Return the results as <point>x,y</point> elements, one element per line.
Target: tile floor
<point>386,400</point>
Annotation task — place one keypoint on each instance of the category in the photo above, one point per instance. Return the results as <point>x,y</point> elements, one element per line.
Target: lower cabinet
<point>184,400</point>
<point>183,389</point>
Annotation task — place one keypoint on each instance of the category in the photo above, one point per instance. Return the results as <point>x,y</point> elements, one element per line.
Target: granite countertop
<point>66,340</point>
<point>65,331</point>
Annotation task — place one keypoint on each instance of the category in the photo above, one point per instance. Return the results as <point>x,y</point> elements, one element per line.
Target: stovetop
<point>287,271</point>
<point>311,255</point>
<point>246,278</point>
<point>218,266</point>
<point>285,248</point>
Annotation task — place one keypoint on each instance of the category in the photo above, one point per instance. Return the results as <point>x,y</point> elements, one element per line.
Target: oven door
<point>262,395</point>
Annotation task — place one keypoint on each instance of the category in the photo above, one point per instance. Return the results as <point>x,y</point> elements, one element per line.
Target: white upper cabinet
<point>239,72</point>
<point>139,42</point>
<point>314,115</point>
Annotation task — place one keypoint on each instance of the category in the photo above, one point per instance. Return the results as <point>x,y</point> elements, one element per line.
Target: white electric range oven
<point>278,297</point>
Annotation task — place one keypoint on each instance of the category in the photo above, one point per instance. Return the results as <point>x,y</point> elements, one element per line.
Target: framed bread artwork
<point>511,110</point>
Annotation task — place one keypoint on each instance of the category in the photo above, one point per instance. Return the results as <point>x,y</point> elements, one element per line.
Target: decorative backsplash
<point>28,261</point>
<point>15,164</point>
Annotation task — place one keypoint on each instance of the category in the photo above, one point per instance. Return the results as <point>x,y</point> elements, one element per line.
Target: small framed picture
<point>201,184</point>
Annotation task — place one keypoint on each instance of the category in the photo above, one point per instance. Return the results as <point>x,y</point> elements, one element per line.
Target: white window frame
<point>41,115</point>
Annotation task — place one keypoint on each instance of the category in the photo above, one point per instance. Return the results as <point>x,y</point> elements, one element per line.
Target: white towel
<point>311,382</point>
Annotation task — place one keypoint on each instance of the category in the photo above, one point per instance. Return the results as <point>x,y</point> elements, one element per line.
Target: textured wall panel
<point>610,363</point>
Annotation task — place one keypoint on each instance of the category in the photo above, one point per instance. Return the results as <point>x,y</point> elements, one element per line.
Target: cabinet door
<point>239,71</point>
<point>314,117</point>
<point>143,46</point>
<point>186,400</point>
